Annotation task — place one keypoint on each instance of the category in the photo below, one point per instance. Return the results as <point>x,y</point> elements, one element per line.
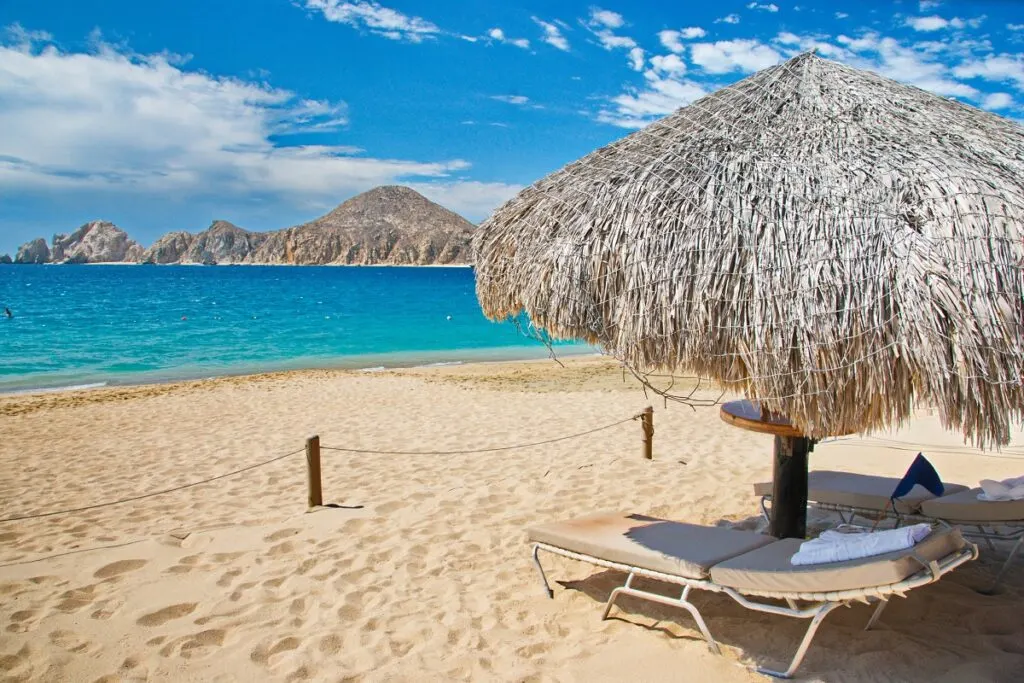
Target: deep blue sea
<point>93,325</point>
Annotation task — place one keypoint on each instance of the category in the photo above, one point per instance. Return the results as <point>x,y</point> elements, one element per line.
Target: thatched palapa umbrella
<point>834,245</point>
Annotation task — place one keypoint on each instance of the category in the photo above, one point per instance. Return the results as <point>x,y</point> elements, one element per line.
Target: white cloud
<point>936,23</point>
<point>999,68</point>
<point>1015,27</point>
<point>841,15</point>
<point>926,5</point>
<point>668,64</point>
<point>552,35</point>
<point>661,95</point>
<point>672,40</point>
<point>498,35</point>
<point>512,99</point>
<point>470,198</point>
<point>894,60</point>
<point>787,38</point>
<point>636,59</point>
<point>606,18</point>
<point>602,23</point>
<point>142,125</point>
<point>22,38</point>
<point>376,19</point>
<point>770,7</point>
<point>728,19</point>
<point>725,56</point>
<point>997,100</point>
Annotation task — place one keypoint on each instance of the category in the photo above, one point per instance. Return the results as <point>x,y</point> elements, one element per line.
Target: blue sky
<point>165,115</point>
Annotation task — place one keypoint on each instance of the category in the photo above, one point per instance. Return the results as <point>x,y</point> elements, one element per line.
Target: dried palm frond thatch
<point>829,242</point>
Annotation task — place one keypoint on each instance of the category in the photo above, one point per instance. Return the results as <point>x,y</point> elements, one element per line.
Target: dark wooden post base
<point>789,487</point>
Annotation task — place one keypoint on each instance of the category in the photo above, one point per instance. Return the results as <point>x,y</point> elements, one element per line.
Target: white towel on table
<point>836,546</point>
<point>1007,489</point>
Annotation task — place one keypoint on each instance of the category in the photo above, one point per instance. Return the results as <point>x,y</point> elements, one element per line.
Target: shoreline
<point>242,376</point>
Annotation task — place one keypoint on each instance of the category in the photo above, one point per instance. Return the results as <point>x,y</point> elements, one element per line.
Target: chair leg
<point>681,601</point>
<point>1006,565</point>
<point>625,588</point>
<point>543,577</point>
<point>877,613</point>
<point>804,644</point>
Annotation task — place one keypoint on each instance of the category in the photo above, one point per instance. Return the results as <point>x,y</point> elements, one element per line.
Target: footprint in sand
<point>162,616</point>
<point>70,641</point>
<point>118,568</point>
<point>281,534</point>
<point>263,655</point>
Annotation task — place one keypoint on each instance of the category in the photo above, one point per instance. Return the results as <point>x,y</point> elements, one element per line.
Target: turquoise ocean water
<point>93,325</point>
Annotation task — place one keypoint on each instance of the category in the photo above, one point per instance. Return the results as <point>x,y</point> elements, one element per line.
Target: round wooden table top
<point>747,415</point>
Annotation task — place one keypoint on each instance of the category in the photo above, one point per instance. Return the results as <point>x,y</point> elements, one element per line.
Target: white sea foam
<point>57,390</point>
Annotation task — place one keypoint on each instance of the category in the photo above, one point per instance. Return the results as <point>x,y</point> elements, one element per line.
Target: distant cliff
<point>5,260</point>
<point>96,242</point>
<point>390,225</point>
<point>35,251</point>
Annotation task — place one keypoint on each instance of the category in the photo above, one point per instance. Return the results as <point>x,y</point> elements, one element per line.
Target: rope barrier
<point>150,495</point>
<point>484,450</point>
<point>142,496</point>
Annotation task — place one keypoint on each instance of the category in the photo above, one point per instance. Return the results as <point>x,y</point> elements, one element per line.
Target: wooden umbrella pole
<point>789,487</point>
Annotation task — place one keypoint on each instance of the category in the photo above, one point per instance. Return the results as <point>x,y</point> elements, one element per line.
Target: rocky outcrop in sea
<point>36,251</point>
<point>5,260</point>
<point>171,248</point>
<point>96,242</point>
<point>390,225</point>
<point>224,243</point>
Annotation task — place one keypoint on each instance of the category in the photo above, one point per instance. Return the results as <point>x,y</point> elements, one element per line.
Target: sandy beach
<point>423,572</point>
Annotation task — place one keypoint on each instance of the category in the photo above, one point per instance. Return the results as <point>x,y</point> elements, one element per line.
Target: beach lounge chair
<point>747,566</point>
<point>867,496</point>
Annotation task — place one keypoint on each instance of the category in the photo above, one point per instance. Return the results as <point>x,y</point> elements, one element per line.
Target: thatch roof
<point>833,243</point>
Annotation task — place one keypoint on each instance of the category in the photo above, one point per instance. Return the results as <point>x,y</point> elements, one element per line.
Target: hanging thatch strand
<point>830,242</point>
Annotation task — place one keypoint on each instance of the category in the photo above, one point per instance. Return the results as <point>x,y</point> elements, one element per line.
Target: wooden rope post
<point>316,496</point>
<point>647,423</point>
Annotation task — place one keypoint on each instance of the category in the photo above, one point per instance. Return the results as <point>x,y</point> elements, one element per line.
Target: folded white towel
<point>1007,489</point>
<point>836,546</point>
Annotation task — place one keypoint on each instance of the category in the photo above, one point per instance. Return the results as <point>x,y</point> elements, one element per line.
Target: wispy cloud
<point>602,23</point>
<point>728,19</point>
<point>376,19</point>
<point>936,23</point>
<point>662,94</point>
<point>997,100</point>
<point>769,7</point>
<point>672,40</point>
<point>927,5</point>
<point>512,99</point>
<point>725,56</point>
<point>1002,68</point>
<point>111,120</point>
<point>552,34</point>
<point>841,15</point>
<point>498,35</point>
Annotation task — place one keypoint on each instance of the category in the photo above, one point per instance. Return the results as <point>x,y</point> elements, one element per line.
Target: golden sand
<point>423,573</point>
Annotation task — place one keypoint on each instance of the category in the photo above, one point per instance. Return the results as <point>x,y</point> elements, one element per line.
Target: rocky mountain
<point>224,242</point>
<point>171,248</point>
<point>5,260</point>
<point>96,242</point>
<point>390,224</point>
<point>387,225</point>
<point>35,251</point>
